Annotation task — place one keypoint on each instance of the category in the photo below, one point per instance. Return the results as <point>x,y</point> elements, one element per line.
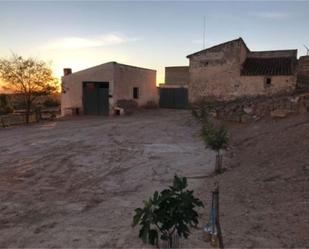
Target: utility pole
<point>204,31</point>
<point>306,49</point>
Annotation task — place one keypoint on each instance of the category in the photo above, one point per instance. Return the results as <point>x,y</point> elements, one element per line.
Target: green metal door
<point>90,98</point>
<point>174,98</point>
<point>95,98</point>
<point>103,107</point>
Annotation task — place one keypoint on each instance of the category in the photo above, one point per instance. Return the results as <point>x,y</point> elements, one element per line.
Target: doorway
<point>95,98</point>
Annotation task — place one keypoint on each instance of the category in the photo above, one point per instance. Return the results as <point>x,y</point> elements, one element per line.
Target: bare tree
<point>28,77</point>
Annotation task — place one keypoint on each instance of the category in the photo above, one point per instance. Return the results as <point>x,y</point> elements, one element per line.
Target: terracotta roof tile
<point>268,66</point>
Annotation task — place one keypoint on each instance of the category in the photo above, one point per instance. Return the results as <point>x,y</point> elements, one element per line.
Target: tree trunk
<point>38,115</point>
<point>28,109</point>
<point>218,167</point>
<point>172,242</point>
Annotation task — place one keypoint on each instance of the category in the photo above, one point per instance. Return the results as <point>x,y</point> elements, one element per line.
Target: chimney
<point>67,71</point>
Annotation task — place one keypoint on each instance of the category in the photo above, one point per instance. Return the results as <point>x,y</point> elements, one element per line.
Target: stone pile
<point>251,109</point>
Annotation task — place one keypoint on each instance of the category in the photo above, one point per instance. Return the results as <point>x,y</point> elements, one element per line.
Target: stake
<point>219,232</point>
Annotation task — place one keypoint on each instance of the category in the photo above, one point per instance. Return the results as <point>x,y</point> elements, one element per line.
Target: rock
<point>248,110</point>
<point>280,113</point>
<point>245,118</point>
<point>294,99</point>
<point>302,109</point>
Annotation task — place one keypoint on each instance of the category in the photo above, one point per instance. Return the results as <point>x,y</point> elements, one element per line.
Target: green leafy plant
<point>216,138</point>
<point>168,212</point>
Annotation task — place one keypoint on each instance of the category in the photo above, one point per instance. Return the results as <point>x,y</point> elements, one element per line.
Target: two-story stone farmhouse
<point>230,70</point>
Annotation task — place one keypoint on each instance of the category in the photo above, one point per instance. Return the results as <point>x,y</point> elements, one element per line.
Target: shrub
<point>50,102</point>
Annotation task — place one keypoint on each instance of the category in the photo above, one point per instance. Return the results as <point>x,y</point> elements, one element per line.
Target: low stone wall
<point>251,109</point>
<point>16,119</point>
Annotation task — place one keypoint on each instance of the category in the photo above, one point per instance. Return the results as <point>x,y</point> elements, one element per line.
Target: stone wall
<point>16,119</point>
<point>255,85</point>
<point>303,72</point>
<point>215,72</point>
<point>177,75</point>
<point>252,109</point>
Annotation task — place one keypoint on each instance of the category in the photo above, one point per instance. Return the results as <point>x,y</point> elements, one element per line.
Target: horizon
<point>152,35</point>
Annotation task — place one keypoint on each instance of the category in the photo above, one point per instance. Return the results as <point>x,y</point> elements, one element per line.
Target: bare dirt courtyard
<point>76,183</point>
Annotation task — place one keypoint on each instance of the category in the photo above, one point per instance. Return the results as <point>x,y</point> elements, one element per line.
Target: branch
<point>159,228</point>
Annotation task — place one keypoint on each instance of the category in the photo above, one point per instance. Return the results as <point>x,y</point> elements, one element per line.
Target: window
<point>267,82</point>
<point>135,92</point>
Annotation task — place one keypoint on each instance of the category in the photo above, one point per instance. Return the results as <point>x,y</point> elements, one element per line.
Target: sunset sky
<point>147,34</point>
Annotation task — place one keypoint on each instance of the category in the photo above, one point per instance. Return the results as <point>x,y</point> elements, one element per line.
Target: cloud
<point>75,42</point>
<point>271,15</point>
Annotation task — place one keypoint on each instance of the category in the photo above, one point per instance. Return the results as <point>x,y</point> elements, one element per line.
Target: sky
<point>81,34</point>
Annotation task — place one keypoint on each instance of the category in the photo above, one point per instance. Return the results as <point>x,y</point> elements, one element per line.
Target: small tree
<point>216,138</point>
<point>28,77</point>
<point>172,210</point>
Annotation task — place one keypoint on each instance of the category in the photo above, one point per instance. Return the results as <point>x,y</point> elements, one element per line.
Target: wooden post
<point>2,122</point>
<point>219,232</point>
<point>218,167</point>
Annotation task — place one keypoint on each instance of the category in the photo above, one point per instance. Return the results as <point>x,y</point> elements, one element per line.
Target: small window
<point>135,92</point>
<point>267,82</point>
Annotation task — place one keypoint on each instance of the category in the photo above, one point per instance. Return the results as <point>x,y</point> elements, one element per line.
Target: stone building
<point>178,75</point>
<point>174,92</point>
<point>98,90</point>
<point>230,70</point>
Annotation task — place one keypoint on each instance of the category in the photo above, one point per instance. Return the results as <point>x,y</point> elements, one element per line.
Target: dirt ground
<point>265,189</point>
<point>76,183</point>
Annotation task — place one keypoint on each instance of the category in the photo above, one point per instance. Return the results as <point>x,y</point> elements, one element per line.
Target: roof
<point>121,64</point>
<point>106,64</point>
<point>219,45</point>
<point>268,66</point>
<point>273,53</point>
<point>178,67</point>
